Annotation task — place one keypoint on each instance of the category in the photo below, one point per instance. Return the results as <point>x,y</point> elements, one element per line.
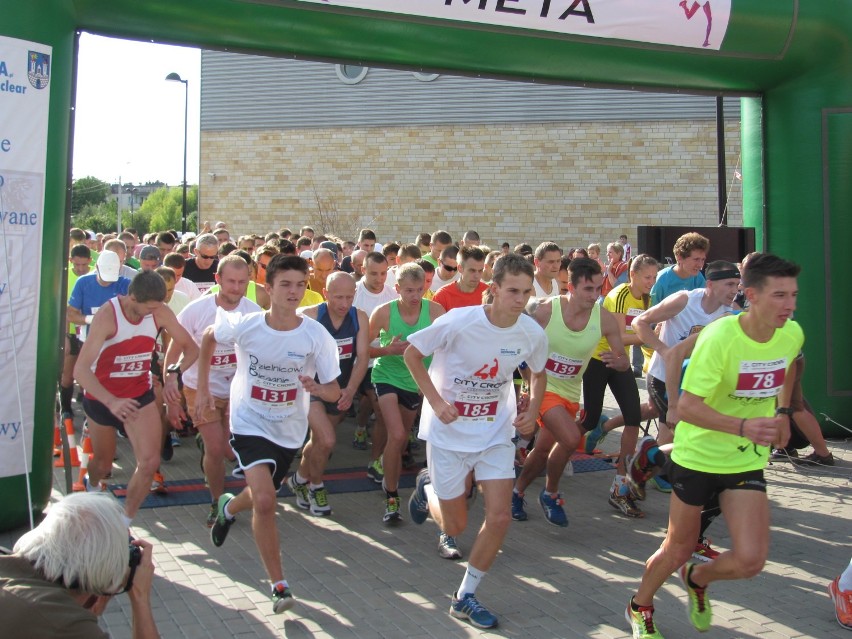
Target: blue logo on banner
<point>38,69</point>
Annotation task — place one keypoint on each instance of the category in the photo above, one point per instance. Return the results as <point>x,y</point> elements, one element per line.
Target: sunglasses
<point>449,268</point>
<point>201,256</point>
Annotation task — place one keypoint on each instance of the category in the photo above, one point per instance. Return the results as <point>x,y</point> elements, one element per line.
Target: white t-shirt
<point>368,302</point>
<point>178,302</point>
<point>267,398</point>
<point>437,282</point>
<point>188,288</point>
<point>472,366</point>
<point>195,318</point>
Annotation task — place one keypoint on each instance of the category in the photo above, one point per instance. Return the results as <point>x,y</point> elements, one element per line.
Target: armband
<point>742,426</point>
<point>784,410</point>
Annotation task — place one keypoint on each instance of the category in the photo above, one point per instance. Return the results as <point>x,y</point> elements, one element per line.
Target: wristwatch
<point>782,410</point>
<point>174,368</point>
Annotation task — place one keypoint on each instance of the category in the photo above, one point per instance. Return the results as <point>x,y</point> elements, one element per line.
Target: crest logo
<point>38,69</point>
<point>488,371</point>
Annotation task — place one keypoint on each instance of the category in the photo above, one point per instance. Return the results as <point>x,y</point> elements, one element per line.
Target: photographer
<point>62,574</point>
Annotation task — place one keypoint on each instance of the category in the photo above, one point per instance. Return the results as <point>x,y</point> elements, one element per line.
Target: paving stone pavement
<point>355,578</point>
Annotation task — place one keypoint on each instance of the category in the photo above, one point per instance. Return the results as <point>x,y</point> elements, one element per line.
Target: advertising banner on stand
<point>25,95</point>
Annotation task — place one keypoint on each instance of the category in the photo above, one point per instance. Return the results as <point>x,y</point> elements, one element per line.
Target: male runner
<point>547,258</point>
<point>690,252</point>
<point>574,324</point>
<point>447,270</point>
<point>114,369</point>
<point>734,406</point>
<point>398,395</point>
<point>278,355</point>
<point>232,277</point>
<point>371,292</point>
<point>471,415</point>
<point>350,329</point>
<point>468,289</point>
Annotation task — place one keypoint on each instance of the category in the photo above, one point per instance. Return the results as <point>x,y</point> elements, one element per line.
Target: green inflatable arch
<point>792,60</point>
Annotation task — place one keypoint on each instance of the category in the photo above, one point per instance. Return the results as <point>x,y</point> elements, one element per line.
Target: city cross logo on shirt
<point>488,371</point>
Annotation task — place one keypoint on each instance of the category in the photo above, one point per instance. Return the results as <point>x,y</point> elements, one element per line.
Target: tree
<point>88,191</point>
<point>100,218</point>
<point>165,207</point>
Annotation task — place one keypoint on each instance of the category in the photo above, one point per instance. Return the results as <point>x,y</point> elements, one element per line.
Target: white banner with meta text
<point>25,96</point>
<point>682,23</point>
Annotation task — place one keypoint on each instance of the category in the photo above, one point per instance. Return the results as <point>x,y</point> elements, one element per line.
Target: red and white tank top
<point>124,362</point>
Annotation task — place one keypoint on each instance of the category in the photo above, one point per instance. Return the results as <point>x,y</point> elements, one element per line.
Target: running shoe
<point>447,547</point>
<point>619,498</point>
<point>318,499</point>
<point>376,471</point>
<point>175,439</point>
<point>552,507</point>
<point>158,484</point>
<point>418,503</point>
<point>842,603</point>
<point>596,436</point>
<point>468,607</point>
<point>814,460</point>
<point>300,491</point>
<point>703,551</point>
<point>211,516</point>
<point>101,488</point>
<point>640,468</point>
<point>661,484</point>
<point>220,528</point>
<point>392,515</point>
<point>359,441</point>
<point>783,454</point>
<point>642,622</point>
<point>282,599</point>
<point>518,503</point>
<point>700,612</point>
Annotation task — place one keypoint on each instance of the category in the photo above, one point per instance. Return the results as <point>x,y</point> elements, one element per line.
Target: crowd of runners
<point>498,359</point>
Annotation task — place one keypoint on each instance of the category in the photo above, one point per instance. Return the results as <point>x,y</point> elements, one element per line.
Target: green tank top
<point>569,351</point>
<point>391,369</point>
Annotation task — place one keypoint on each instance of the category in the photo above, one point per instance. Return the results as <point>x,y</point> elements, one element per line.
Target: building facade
<point>287,143</point>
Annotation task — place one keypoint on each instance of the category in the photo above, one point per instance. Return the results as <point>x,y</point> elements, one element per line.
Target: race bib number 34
<point>761,378</point>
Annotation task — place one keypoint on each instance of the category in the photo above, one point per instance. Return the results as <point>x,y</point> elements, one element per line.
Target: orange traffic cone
<point>57,441</point>
<point>87,455</point>
<point>72,445</point>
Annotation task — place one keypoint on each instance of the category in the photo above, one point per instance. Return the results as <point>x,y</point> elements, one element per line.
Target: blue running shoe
<point>518,503</point>
<point>552,507</point>
<point>596,435</point>
<point>468,607</point>
<point>418,503</point>
<point>661,484</point>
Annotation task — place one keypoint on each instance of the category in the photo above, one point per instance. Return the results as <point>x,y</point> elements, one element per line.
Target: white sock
<point>516,491</point>
<point>315,486</point>
<point>127,520</point>
<point>227,512</point>
<point>471,580</point>
<point>845,582</point>
<point>283,582</point>
<point>300,479</point>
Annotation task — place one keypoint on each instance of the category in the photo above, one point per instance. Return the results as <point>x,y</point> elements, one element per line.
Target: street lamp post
<point>174,77</point>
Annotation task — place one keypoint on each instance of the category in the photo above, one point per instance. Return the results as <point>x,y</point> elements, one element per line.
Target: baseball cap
<point>109,264</point>
<point>331,246</point>
<point>306,255</point>
<point>150,253</point>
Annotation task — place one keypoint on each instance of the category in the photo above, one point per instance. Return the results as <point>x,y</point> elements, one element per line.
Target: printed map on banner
<point>682,23</point>
<point>24,90</point>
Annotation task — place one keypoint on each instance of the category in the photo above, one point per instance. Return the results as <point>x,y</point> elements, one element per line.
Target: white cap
<point>109,265</point>
<point>307,255</point>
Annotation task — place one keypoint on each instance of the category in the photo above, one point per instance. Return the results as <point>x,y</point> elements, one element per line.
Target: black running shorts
<point>696,488</point>
<point>406,399</point>
<point>100,414</point>
<point>252,450</point>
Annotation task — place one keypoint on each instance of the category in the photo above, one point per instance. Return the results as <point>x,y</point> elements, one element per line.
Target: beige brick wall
<point>572,183</point>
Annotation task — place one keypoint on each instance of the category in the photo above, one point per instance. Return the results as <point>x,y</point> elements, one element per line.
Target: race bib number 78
<point>761,378</point>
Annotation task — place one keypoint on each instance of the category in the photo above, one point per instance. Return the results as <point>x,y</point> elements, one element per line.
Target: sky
<point>129,120</point>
